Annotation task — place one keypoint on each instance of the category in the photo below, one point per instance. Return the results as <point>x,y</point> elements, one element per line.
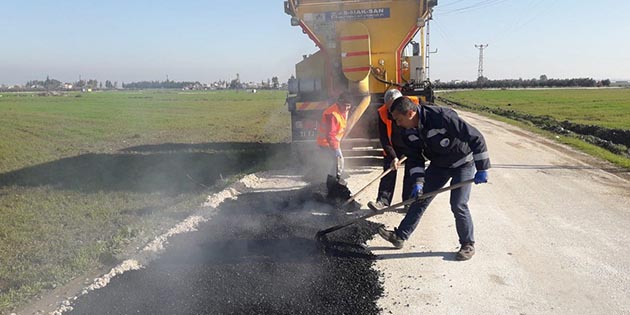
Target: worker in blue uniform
<point>457,152</point>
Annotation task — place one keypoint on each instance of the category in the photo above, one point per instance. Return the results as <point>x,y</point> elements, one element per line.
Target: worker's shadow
<point>168,168</point>
<point>448,256</point>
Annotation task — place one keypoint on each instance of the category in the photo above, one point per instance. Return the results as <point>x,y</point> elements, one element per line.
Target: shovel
<point>391,208</point>
<point>347,202</point>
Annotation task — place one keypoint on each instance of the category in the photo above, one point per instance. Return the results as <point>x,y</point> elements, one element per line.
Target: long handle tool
<point>391,208</point>
<point>371,182</point>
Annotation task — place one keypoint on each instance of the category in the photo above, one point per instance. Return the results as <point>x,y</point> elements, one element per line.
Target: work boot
<point>465,252</point>
<point>376,206</point>
<point>391,237</point>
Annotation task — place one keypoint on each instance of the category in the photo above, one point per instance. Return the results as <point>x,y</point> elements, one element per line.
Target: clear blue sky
<point>208,40</point>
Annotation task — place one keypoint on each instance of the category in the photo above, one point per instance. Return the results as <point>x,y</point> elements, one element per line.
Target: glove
<point>481,177</point>
<point>338,153</point>
<point>416,191</point>
<point>394,164</point>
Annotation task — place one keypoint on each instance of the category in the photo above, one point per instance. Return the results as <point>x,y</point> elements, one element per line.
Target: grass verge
<point>477,104</point>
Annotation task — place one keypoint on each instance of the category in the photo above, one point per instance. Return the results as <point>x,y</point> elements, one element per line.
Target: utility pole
<point>480,69</point>
<point>428,52</point>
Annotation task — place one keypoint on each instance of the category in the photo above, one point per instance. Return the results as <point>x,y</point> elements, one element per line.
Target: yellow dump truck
<point>365,47</point>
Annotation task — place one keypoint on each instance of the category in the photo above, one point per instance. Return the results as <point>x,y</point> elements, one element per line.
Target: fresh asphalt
<point>257,255</point>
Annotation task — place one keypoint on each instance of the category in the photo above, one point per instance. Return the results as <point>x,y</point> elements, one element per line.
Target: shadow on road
<point>448,256</point>
<point>169,168</point>
<point>559,167</point>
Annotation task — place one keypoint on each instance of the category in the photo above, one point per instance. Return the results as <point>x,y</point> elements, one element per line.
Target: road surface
<point>552,237</point>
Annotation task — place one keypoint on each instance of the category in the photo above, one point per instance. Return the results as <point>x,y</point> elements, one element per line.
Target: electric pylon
<point>480,69</point>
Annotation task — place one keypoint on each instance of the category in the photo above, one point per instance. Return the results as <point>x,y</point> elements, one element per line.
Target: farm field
<point>608,108</point>
<point>601,112</point>
<point>83,175</point>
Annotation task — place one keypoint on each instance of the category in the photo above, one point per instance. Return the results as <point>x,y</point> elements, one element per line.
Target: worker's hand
<point>416,191</point>
<point>481,177</point>
<point>338,153</point>
<point>394,164</point>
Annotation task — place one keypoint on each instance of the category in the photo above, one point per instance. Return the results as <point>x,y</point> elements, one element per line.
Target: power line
<point>442,5</point>
<point>526,16</point>
<point>479,5</point>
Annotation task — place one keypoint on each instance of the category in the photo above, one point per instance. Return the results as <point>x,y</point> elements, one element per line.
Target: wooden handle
<point>371,182</point>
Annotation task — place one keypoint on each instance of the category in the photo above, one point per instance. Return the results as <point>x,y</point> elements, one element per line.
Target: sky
<point>210,40</point>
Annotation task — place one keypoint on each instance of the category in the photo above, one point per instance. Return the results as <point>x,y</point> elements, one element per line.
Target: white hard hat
<point>391,95</point>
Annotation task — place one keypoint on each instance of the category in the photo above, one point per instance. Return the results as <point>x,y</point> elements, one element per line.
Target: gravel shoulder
<point>551,232</point>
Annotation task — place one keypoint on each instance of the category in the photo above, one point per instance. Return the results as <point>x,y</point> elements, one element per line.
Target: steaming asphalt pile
<point>257,255</point>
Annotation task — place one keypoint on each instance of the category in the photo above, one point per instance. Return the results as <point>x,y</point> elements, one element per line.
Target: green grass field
<point>609,108</point>
<point>83,175</point>
<point>603,107</point>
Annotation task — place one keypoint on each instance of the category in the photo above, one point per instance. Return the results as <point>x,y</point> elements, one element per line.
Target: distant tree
<point>274,82</point>
<point>481,81</point>
<point>606,82</point>
<point>235,84</point>
<point>543,77</point>
<point>92,83</point>
<point>108,84</point>
<point>52,84</point>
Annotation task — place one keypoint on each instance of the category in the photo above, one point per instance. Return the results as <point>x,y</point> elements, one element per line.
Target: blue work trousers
<point>435,178</point>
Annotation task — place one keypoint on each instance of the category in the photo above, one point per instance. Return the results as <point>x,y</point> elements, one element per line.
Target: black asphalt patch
<point>258,255</point>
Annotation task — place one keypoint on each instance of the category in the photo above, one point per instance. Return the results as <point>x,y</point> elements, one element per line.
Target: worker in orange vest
<point>393,149</point>
<point>330,132</point>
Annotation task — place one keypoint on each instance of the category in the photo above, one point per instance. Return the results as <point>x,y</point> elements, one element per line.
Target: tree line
<point>168,84</point>
<point>543,81</point>
<point>53,84</point>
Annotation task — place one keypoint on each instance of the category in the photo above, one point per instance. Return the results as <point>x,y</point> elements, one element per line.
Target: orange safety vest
<point>323,133</point>
<point>382,112</point>
<point>414,99</point>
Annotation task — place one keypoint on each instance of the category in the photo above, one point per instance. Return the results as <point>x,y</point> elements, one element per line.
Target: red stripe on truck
<point>356,53</point>
<point>356,69</point>
<point>354,37</point>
